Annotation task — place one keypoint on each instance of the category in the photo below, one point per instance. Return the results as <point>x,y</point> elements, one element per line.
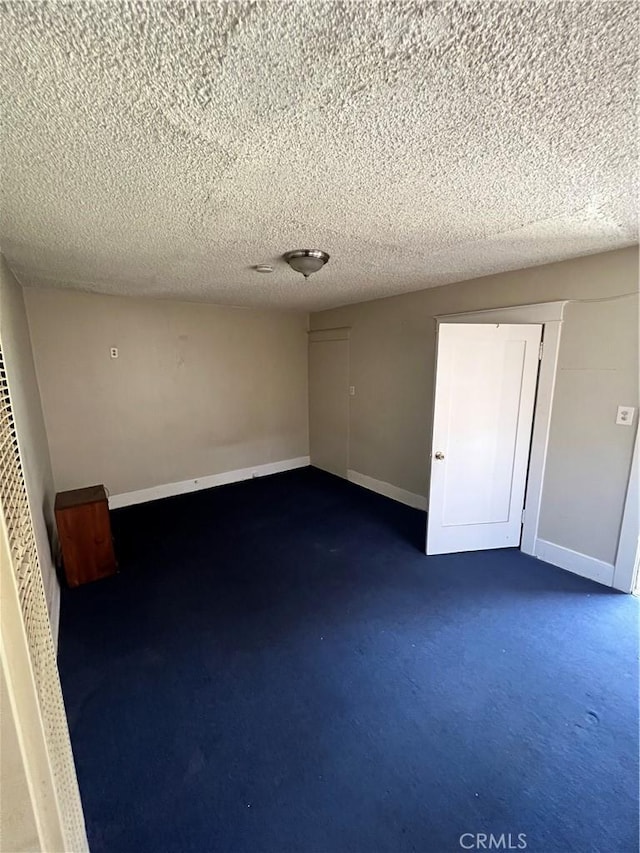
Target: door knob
<point>439,454</point>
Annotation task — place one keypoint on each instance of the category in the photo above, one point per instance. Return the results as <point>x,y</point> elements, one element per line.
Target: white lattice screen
<point>18,524</point>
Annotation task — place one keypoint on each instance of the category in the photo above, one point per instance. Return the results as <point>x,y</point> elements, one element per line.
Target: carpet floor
<point>278,668</point>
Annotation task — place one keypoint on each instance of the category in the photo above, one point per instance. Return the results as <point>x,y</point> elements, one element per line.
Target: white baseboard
<point>386,489</point>
<point>171,489</point>
<point>574,561</point>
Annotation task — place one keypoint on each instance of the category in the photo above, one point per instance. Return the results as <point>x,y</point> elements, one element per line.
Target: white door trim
<point>540,312</point>
<point>317,336</point>
<point>627,562</point>
<point>551,315</point>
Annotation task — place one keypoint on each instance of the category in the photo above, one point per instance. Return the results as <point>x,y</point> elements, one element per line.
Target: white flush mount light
<point>306,261</point>
<point>263,268</point>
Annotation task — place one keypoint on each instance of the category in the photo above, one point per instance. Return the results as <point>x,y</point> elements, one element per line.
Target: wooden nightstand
<point>84,528</point>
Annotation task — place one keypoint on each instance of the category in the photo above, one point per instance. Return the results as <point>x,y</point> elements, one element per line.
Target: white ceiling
<point>162,148</point>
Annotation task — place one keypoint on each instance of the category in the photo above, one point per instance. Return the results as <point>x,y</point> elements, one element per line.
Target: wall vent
<point>25,565</point>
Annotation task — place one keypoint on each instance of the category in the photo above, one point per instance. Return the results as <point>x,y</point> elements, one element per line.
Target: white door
<point>329,405</point>
<point>483,414</point>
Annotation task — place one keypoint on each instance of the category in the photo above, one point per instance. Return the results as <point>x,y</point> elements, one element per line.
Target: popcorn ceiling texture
<point>162,148</point>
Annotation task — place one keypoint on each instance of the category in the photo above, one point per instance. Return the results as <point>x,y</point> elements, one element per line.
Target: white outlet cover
<point>625,415</point>
<point>114,352</point>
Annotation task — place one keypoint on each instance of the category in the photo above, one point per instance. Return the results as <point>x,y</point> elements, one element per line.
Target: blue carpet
<point>279,669</point>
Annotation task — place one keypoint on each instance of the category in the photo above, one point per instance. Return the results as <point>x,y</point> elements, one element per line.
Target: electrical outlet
<point>352,390</point>
<point>114,352</point>
<point>625,415</point>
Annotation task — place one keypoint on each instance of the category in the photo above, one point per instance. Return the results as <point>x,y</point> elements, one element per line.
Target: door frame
<point>550,315</point>
<point>627,565</point>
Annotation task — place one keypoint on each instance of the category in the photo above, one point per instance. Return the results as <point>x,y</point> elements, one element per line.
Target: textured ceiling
<point>162,148</point>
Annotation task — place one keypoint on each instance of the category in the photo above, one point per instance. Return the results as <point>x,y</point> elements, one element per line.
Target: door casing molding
<point>627,565</point>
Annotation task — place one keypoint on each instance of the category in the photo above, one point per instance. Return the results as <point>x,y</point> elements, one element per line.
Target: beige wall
<point>27,411</point>
<point>196,390</point>
<point>200,389</point>
<point>392,350</point>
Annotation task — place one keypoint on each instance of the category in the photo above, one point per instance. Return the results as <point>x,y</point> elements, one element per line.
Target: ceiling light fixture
<point>306,261</point>
<point>263,268</point>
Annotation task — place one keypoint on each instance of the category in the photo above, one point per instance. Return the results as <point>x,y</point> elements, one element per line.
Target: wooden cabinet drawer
<point>84,528</point>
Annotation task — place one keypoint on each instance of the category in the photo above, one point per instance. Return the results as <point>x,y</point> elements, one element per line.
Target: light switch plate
<point>625,415</point>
